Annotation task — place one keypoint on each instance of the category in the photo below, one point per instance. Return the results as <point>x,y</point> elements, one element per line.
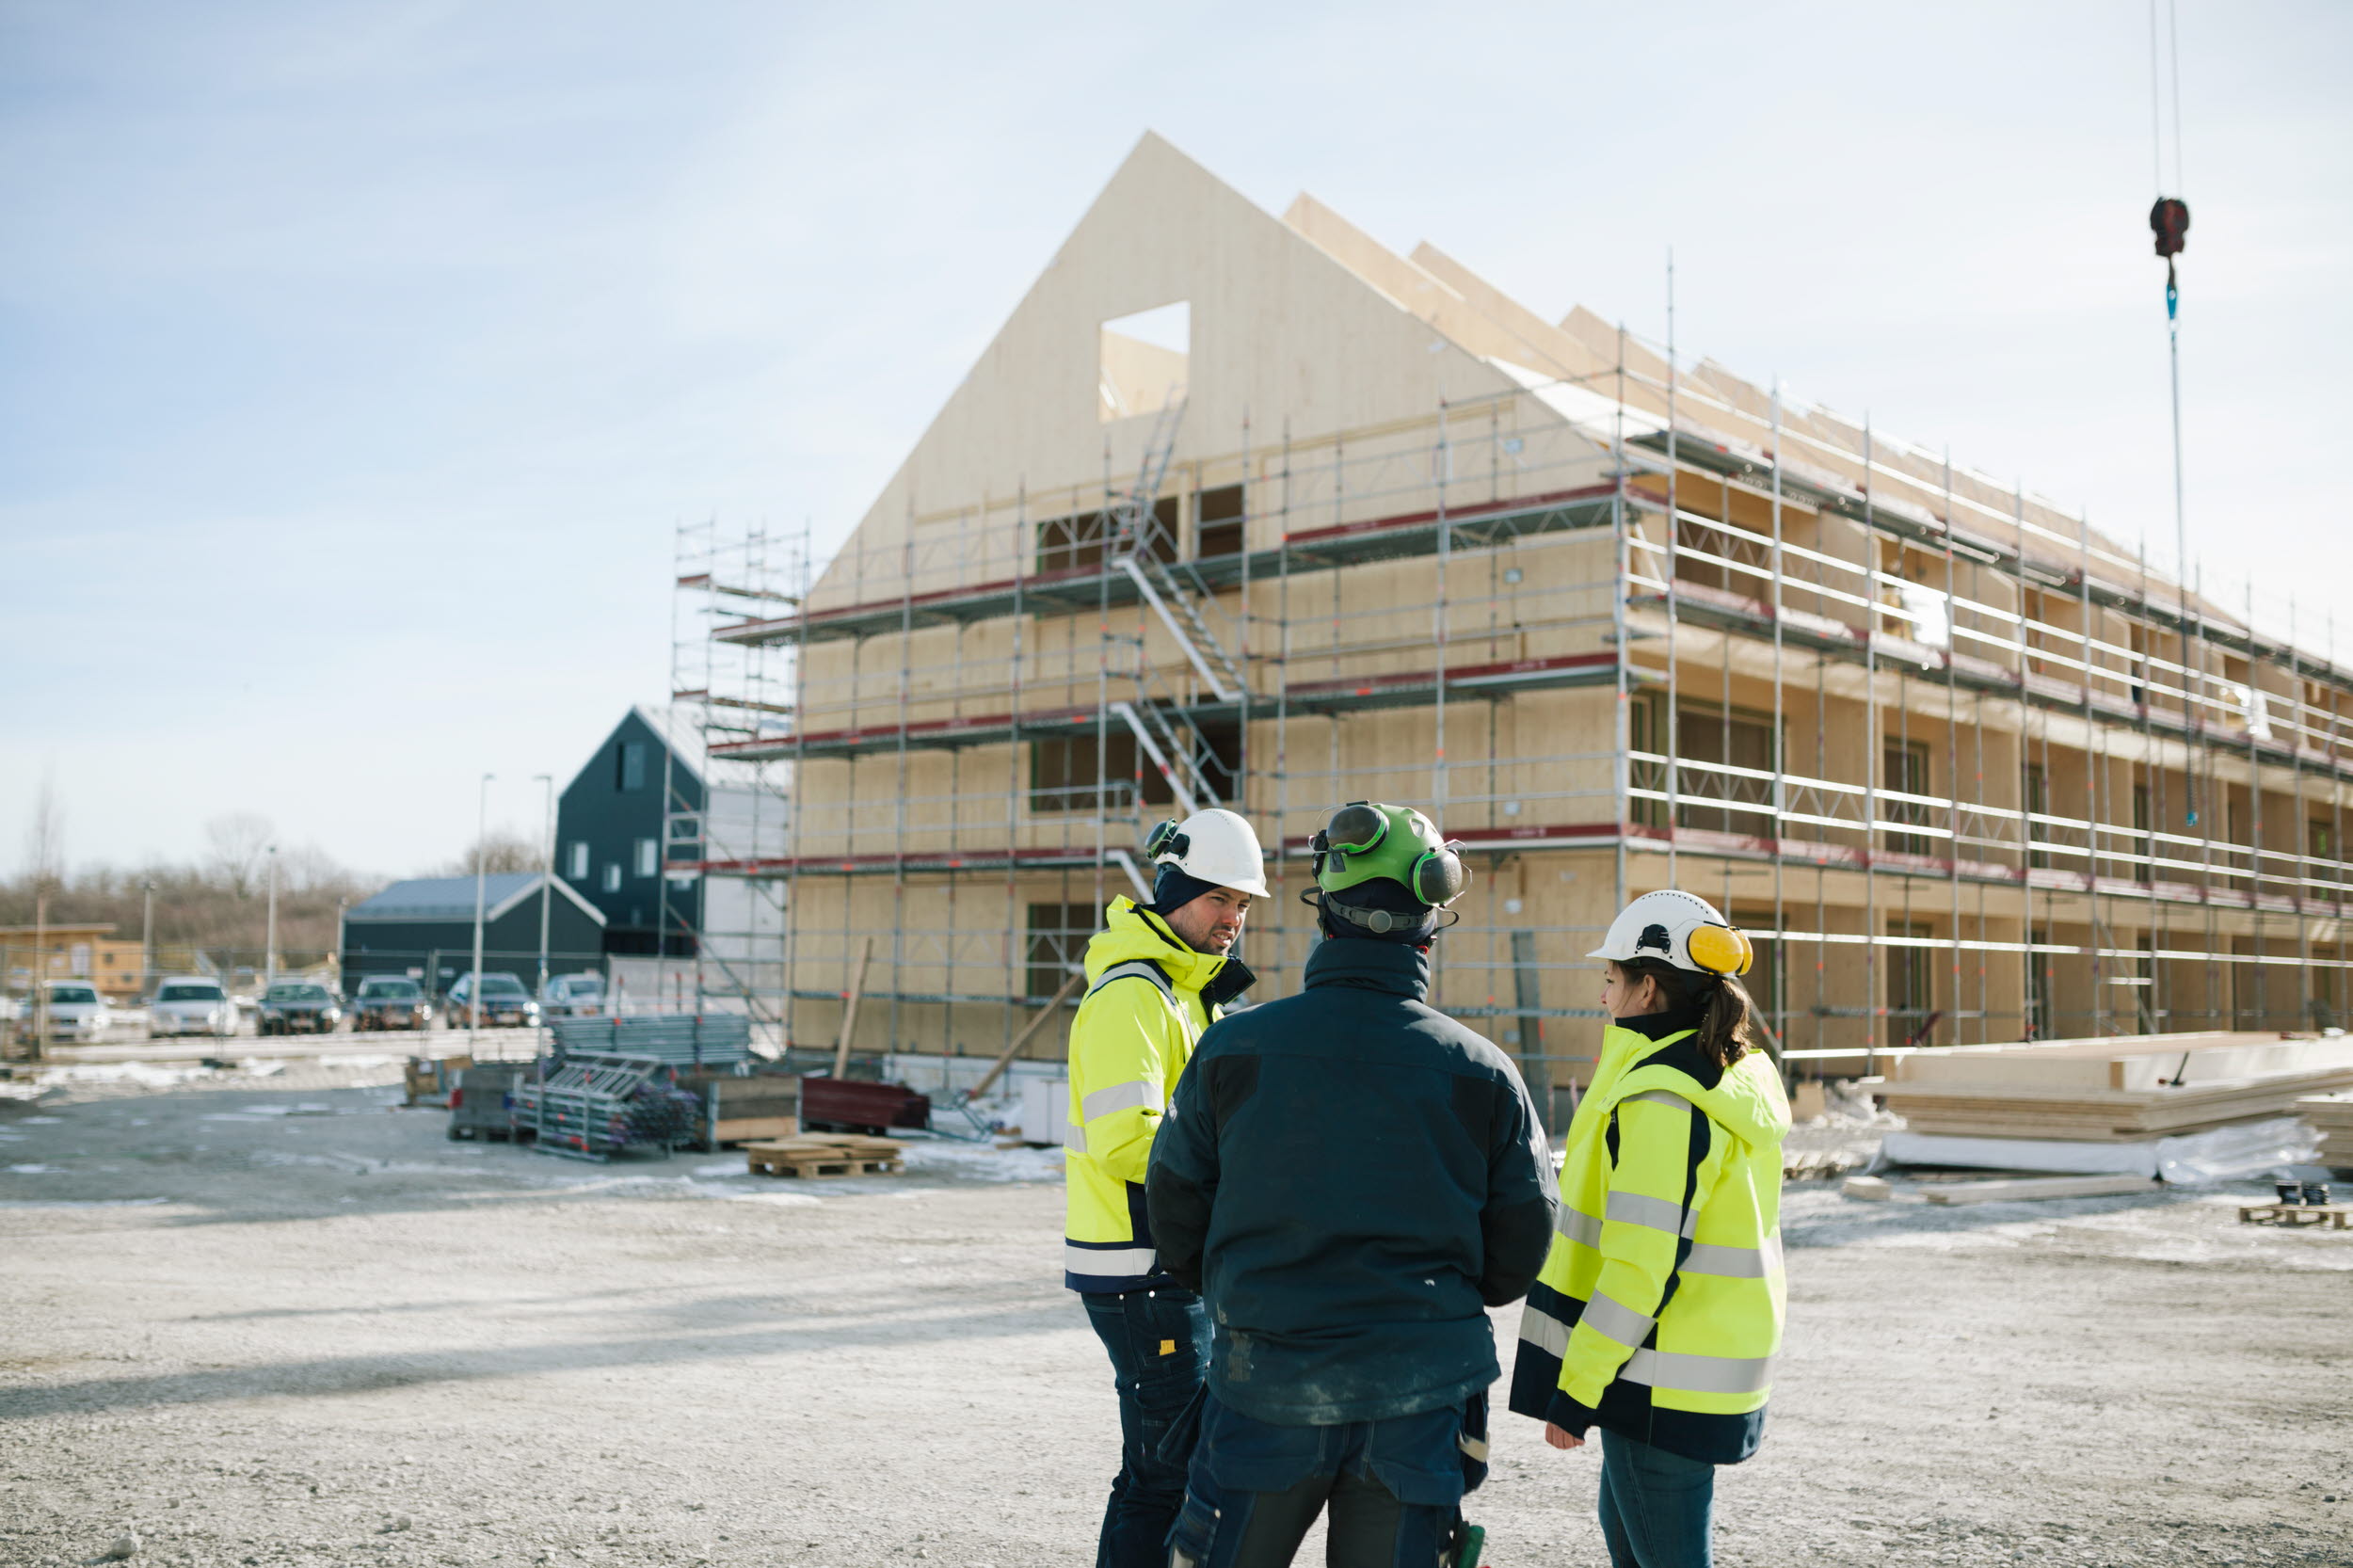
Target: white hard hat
<point>1216,845</point>
<point>1684,929</point>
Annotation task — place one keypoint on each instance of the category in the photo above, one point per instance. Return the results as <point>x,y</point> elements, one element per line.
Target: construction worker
<point>1353,1179</point>
<point>1658,1312</point>
<point>1158,975</point>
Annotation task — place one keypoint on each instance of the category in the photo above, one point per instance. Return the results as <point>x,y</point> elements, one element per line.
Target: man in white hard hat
<point>1158,975</point>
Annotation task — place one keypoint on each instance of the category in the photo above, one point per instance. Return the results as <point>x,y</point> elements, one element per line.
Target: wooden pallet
<point>826,1155</point>
<point>2294,1214</point>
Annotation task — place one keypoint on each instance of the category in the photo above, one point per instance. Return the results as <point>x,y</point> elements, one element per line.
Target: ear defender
<point>1440,874</point>
<point>1166,838</point>
<point>1720,950</point>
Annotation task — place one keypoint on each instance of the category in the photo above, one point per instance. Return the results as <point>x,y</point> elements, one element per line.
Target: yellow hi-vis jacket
<point>1148,999</point>
<point>1659,1310</point>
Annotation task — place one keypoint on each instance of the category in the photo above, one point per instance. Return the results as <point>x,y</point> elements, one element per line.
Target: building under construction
<point>1255,512</point>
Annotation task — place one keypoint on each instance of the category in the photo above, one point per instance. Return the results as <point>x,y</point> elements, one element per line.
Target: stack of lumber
<point>2332,1115</point>
<point>2122,1089</point>
<point>817,1154</point>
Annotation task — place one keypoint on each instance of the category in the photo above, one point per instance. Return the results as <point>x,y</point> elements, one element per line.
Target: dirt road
<point>275,1320</point>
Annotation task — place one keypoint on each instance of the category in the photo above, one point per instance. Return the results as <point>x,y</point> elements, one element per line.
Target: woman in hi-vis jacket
<point>1660,1309</point>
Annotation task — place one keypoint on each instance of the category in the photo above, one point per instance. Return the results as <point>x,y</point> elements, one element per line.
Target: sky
<point>359,360</point>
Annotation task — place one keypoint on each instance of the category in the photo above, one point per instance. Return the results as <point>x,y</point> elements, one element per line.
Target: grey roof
<point>451,898</point>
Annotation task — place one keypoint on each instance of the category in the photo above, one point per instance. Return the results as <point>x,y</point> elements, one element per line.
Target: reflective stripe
<point>1074,1137</point>
<point>1660,1096</point>
<point>1578,1225</point>
<point>1142,1095</point>
<point>1617,1320</point>
<point>1475,1447</point>
<point>1543,1331</point>
<point>1110,1262</point>
<point>1701,1374</point>
<point>1734,1262</point>
<point>1141,968</point>
<point>1652,1213</point>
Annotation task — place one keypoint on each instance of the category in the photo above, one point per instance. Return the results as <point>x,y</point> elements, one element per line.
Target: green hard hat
<point>1367,841</point>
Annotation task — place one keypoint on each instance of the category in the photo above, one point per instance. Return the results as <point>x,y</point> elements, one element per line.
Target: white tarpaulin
<point>2224,1154</point>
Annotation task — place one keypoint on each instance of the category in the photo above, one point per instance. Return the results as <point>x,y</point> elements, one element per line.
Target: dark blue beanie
<point>1172,890</point>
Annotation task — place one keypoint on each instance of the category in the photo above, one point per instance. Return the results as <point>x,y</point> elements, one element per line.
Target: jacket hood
<point>1131,931</point>
<point>1745,1099</point>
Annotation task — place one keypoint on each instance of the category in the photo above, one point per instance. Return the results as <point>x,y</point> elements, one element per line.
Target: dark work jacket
<point>1351,1179</point>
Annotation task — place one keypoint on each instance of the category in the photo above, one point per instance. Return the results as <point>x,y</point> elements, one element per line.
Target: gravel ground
<point>274,1320</point>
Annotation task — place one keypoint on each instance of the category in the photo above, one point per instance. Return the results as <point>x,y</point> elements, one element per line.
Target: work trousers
<point>1393,1488</point>
<point>1158,1342</point>
<point>1657,1508</point>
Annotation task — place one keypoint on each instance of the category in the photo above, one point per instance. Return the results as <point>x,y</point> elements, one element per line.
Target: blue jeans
<point>1159,1342</point>
<point>1656,1506</point>
<point>1394,1489</point>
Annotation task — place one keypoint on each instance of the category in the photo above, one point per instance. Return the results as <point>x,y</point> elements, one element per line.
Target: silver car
<point>77,1011</point>
<point>573,995</point>
<point>190,1005</point>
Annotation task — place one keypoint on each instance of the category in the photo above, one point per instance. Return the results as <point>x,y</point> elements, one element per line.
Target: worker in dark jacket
<point>1353,1179</point>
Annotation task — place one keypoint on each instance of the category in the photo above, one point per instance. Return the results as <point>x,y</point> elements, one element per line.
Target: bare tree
<point>501,851</point>
<point>45,837</point>
<point>240,843</point>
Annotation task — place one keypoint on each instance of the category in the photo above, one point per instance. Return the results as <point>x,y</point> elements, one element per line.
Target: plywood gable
<point>1284,336</point>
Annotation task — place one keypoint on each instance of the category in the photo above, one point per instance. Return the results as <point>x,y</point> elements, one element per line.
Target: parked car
<point>300,1007</point>
<point>506,1004</point>
<point>573,995</point>
<point>77,1011</point>
<point>190,1005</point>
<point>391,1002</point>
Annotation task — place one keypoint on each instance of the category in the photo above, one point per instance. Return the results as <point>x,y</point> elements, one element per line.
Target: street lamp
<point>481,874</point>
<point>547,885</point>
<point>147,937</point>
<point>269,938</point>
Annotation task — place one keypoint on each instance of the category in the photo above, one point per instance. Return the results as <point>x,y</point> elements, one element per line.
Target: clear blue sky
<point>357,359</point>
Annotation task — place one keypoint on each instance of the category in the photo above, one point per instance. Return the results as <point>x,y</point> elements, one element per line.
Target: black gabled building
<point>610,835</point>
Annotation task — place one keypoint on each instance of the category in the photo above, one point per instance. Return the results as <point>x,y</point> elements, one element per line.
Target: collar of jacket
<point>1657,1026</point>
<point>1660,1050</point>
<point>1131,932</point>
<point>1369,966</point>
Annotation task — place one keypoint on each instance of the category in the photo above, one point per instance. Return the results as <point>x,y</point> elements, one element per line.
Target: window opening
<point>1144,361</point>
<point>1218,522</point>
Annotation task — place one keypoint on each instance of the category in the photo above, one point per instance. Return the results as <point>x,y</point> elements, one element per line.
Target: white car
<point>191,1005</point>
<point>573,995</point>
<point>77,1011</point>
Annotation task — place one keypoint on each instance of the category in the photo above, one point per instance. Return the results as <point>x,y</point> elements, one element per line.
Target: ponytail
<point>1728,1019</point>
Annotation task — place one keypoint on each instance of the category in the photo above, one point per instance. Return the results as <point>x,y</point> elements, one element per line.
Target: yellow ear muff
<point>1720,950</point>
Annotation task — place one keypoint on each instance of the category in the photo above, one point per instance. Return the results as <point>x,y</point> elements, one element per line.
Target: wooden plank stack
<point>2332,1115</point>
<point>827,1154</point>
<point>2125,1089</point>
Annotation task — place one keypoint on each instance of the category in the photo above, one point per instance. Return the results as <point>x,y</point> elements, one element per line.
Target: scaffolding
<point>1987,774</point>
<point>732,947</point>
